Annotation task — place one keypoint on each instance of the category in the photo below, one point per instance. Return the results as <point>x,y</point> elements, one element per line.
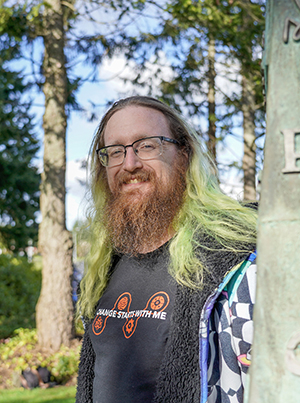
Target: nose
<point>132,161</point>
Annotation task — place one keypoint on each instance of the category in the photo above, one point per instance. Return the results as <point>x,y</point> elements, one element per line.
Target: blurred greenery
<point>55,395</point>
<point>22,351</point>
<point>20,284</point>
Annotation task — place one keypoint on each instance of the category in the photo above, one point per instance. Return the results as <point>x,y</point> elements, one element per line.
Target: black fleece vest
<point>179,379</point>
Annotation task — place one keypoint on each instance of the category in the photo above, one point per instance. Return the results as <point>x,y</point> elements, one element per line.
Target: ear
<point>185,154</point>
<point>184,157</point>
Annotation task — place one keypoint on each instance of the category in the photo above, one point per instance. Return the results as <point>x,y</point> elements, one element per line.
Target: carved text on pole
<point>291,156</point>
<point>288,22</point>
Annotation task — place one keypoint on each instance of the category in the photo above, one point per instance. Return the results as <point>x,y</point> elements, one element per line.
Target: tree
<point>55,242</point>
<point>211,99</point>
<point>245,43</point>
<point>237,27</point>
<point>205,40</point>
<point>19,178</point>
<point>252,93</point>
<point>52,21</point>
<point>54,311</point>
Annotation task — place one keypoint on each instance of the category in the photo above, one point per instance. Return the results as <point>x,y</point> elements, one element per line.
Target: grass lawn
<point>61,394</point>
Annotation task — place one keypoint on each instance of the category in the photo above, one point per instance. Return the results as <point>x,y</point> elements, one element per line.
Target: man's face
<point>126,126</point>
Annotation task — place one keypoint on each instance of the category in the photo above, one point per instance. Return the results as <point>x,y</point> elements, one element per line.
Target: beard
<point>138,222</point>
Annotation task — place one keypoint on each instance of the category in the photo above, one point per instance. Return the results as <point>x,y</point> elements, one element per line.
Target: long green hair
<point>206,210</point>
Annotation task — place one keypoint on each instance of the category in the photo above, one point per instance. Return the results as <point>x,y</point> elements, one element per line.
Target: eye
<point>115,152</point>
<point>147,145</point>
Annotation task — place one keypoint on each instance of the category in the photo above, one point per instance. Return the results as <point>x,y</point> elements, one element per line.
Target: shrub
<point>22,351</point>
<point>20,284</point>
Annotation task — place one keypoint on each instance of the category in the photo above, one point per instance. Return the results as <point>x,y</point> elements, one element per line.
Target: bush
<point>22,351</point>
<point>20,284</point>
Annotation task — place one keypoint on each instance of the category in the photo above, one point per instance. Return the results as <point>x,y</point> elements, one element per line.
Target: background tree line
<point>19,179</point>
<point>201,43</point>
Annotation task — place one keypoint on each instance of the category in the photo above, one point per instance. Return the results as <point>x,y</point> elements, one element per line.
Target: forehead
<point>134,122</point>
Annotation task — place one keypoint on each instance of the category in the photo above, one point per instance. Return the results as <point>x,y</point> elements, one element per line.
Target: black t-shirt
<point>130,329</point>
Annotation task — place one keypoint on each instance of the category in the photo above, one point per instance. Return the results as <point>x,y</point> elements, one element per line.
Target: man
<point>168,293</point>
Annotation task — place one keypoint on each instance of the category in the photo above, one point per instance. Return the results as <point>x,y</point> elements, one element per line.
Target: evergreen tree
<point>19,178</point>
<point>203,42</point>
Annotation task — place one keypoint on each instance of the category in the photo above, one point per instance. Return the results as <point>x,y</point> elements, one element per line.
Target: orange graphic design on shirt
<point>123,303</point>
<point>154,309</point>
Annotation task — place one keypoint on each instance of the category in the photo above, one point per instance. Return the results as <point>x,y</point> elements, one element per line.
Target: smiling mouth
<point>134,181</point>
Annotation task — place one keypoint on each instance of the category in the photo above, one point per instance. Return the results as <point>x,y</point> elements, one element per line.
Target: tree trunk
<point>211,144</point>
<point>249,158</point>
<point>54,312</point>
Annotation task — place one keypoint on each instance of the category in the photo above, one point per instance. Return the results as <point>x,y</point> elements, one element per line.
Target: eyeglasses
<point>146,149</point>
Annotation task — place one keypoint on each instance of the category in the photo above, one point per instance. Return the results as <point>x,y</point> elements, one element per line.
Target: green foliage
<point>19,179</point>
<point>21,351</point>
<point>9,350</point>
<point>55,395</point>
<point>20,284</point>
<point>13,23</point>
<point>64,364</point>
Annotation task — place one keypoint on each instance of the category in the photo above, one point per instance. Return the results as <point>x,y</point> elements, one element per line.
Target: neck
<point>152,246</point>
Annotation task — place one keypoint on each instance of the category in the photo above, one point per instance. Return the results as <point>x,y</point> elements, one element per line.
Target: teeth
<point>135,180</point>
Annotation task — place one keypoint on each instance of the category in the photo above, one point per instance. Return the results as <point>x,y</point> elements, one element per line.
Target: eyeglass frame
<point>162,138</point>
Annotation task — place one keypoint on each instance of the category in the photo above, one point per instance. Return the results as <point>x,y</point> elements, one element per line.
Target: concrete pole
<point>275,368</point>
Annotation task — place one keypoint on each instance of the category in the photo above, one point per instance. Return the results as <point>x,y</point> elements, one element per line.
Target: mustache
<point>141,176</point>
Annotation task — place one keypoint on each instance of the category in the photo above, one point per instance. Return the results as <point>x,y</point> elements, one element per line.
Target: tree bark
<point>54,312</point>
<point>249,158</point>
<point>211,96</point>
